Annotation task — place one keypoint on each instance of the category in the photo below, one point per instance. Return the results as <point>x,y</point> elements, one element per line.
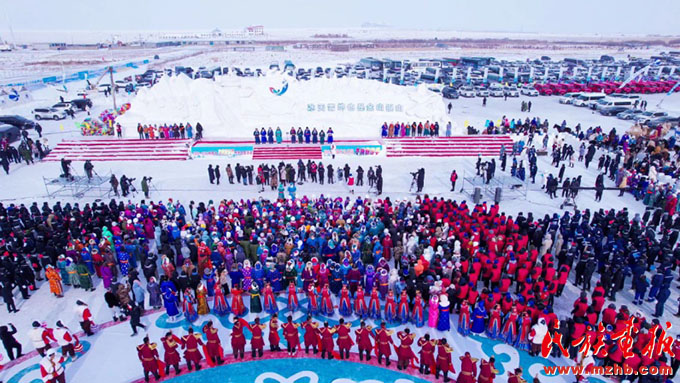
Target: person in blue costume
<point>478,319</point>
<point>444,323</point>
<point>169,294</point>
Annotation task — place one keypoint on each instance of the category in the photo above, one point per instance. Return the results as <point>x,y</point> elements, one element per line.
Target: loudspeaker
<point>477,196</point>
<point>498,195</point>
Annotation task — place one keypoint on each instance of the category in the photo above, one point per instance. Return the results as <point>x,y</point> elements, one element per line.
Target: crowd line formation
<point>420,262</point>
<point>284,177</point>
<point>166,131</point>
<point>298,136</point>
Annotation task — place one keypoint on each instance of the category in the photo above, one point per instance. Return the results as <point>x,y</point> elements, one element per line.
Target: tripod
<point>414,183</point>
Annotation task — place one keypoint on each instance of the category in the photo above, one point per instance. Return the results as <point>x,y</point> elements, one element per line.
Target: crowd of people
<point>167,131</point>
<point>28,150</point>
<point>420,129</point>
<point>417,262</point>
<point>284,177</point>
<point>298,136</point>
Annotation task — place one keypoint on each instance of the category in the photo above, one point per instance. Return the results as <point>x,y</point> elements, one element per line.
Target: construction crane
<point>93,86</point>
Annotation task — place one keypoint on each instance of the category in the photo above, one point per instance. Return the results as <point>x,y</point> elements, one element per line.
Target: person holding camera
<point>89,168</point>
<point>66,168</point>
<point>145,186</point>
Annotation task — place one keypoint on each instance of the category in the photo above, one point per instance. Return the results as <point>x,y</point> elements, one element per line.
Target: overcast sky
<point>604,17</point>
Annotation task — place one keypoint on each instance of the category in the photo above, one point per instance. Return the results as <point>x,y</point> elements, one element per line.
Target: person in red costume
<point>360,308</point>
<point>468,369</point>
<point>427,347</point>
<point>190,343</point>
<point>344,340</point>
<point>274,338</point>
<point>311,335</point>
<point>148,355</point>
<point>516,377</point>
<point>487,371</point>
<point>256,341</point>
<point>238,341</point>
<point>326,334</point>
<point>384,338</point>
<point>237,306</point>
<point>171,343</point>
<point>290,332</point>
<point>444,360</point>
<point>364,335</point>
<point>214,346</point>
<point>405,353</point>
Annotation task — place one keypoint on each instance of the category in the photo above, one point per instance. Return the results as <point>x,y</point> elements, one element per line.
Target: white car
<point>65,106</point>
<point>496,91</point>
<point>531,92</point>
<point>568,98</point>
<point>511,91</point>
<point>466,91</point>
<point>49,114</point>
<point>481,92</point>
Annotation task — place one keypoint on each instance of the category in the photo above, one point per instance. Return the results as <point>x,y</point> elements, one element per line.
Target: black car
<point>11,132</point>
<point>18,121</point>
<point>81,103</point>
<point>673,121</point>
<point>449,92</point>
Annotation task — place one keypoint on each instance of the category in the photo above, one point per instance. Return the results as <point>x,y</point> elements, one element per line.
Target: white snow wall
<point>233,106</point>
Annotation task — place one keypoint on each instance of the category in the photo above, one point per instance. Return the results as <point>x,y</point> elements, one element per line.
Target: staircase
<point>120,150</point>
<point>286,152</point>
<point>460,146</point>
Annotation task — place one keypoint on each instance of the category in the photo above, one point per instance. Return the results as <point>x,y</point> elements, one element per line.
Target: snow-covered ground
<point>187,180</point>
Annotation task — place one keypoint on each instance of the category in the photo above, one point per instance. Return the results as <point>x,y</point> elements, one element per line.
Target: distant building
<point>255,30</point>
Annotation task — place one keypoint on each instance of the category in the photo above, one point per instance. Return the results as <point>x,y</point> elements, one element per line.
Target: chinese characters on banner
<point>601,341</point>
<point>358,107</point>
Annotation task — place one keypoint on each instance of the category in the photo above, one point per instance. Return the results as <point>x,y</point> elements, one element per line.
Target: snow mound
<point>231,106</point>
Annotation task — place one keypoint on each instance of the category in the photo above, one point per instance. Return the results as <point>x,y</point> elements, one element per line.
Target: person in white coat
<point>40,337</point>
<point>66,340</point>
<point>546,245</point>
<point>538,332</point>
<point>51,368</point>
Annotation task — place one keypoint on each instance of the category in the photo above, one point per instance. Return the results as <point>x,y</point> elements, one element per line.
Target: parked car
<point>568,98</point>
<point>673,120</point>
<point>585,99</point>
<point>629,114</point>
<point>496,91</point>
<point>18,121</point>
<point>65,106</point>
<point>11,132</point>
<point>481,91</point>
<point>449,92</point>
<point>81,103</point>
<point>613,110</point>
<point>511,91</point>
<point>49,114</point>
<point>607,101</point>
<point>466,91</point>
<point>527,91</point>
<point>645,117</point>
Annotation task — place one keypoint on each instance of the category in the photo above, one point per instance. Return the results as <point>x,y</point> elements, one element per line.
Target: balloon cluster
<point>103,126</point>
